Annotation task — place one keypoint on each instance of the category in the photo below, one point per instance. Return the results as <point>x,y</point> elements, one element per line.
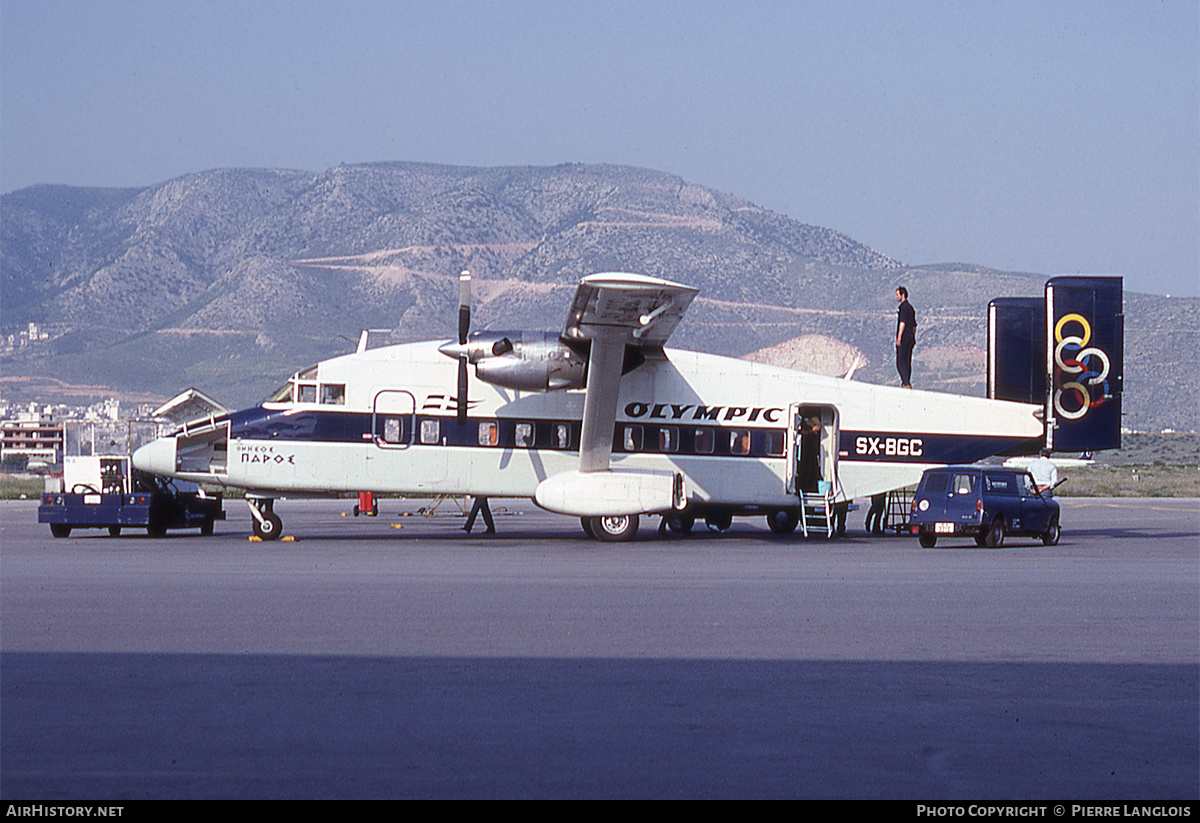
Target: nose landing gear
<point>267,525</point>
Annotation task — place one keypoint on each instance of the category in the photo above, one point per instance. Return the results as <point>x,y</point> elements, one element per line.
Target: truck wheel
<point>269,528</point>
<point>615,529</point>
<point>206,528</point>
<point>1050,538</point>
<point>114,531</point>
<point>927,540</point>
<point>60,530</point>
<point>156,530</point>
<point>995,535</point>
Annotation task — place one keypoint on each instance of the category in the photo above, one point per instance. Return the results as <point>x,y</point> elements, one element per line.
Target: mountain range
<point>230,280</point>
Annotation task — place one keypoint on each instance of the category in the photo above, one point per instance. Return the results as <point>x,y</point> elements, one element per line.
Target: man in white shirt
<point>1045,473</point>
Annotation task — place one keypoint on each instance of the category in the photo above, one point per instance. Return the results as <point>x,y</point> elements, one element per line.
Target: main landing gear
<point>266,524</point>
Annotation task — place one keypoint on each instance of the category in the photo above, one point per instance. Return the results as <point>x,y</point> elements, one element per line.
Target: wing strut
<point>600,402</point>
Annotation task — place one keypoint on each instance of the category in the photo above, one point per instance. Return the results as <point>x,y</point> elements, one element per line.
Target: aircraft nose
<point>156,457</point>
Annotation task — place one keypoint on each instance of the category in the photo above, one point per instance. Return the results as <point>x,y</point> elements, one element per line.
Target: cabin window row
<point>628,438</point>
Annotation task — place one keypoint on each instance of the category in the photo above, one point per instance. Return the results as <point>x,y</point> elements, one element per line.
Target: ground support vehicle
<point>103,493</point>
<point>986,503</point>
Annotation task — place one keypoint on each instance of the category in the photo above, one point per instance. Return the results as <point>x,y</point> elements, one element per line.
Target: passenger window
<point>633,438</point>
<point>489,433</point>
<point>306,393</point>
<point>775,443</point>
<point>524,435</point>
<point>705,439</point>
<point>429,431</point>
<point>668,439</point>
<point>739,441</point>
<point>333,394</point>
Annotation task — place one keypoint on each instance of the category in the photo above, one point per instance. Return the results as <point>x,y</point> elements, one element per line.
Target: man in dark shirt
<point>906,336</point>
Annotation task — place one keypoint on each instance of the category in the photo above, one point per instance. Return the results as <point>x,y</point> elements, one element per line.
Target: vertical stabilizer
<point>1085,348</point>
<point>1017,349</point>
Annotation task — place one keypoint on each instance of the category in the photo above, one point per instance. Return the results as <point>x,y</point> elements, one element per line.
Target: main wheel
<point>615,529</point>
<point>586,522</point>
<point>679,522</point>
<point>270,527</point>
<point>783,521</point>
<point>1053,532</point>
<point>719,521</point>
<point>995,535</point>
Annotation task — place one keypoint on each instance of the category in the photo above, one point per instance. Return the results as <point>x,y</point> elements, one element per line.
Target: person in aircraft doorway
<point>809,468</point>
<point>906,336</point>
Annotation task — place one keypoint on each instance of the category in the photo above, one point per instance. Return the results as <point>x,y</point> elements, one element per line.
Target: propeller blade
<point>462,390</point>
<point>464,328</point>
<point>464,306</point>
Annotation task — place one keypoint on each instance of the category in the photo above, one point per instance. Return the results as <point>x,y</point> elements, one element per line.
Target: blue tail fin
<point>1064,352</point>
<point>1085,349</point>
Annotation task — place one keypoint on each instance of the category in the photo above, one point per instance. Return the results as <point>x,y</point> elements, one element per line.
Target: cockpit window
<point>283,394</point>
<point>308,374</point>
<point>333,394</point>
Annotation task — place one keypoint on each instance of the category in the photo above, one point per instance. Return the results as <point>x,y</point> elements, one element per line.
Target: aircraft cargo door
<point>812,449</point>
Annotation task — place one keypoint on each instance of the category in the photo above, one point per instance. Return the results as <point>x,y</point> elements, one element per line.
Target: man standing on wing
<point>906,336</point>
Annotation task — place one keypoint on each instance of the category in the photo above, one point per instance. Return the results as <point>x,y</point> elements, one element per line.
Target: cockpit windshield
<point>283,394</point>
<point>287,392</point>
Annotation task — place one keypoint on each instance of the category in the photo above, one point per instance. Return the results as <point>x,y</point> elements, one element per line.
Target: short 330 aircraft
<point>600,421</point>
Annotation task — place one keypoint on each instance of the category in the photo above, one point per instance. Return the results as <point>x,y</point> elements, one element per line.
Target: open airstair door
<point>812,466</point>
<point>615,315</point>
<point>812,450</point>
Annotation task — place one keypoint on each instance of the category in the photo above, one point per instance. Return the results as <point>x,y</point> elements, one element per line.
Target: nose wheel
<point>266,524</point>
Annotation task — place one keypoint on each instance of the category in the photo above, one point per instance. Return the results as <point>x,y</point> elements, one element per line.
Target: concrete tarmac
<point>398,657</point>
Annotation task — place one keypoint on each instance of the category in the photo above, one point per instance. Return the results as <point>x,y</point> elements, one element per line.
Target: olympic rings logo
<point>1073,356</point>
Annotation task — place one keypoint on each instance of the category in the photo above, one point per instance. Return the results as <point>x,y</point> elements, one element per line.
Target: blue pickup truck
<point>987,503</point>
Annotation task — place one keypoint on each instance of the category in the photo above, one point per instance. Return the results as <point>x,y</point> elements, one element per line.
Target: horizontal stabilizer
<point>610,493</point>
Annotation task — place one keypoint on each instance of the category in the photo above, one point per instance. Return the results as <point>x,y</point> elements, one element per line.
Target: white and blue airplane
<point>602,422</point>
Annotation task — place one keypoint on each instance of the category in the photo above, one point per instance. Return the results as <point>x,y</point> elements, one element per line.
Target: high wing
<point>613,310</point>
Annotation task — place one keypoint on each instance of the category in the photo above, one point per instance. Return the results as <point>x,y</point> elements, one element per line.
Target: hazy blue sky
<point>1050,137</point>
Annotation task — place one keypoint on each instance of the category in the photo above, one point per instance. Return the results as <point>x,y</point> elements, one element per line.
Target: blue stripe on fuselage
<point>338,426</point>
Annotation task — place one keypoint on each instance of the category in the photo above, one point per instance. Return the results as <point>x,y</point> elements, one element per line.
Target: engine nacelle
<point>523,360</point>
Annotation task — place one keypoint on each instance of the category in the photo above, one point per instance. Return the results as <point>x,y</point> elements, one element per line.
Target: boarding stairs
<point>816,510</point>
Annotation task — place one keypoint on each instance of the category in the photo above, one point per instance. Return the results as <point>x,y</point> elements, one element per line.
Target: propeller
<point>464,328</point>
